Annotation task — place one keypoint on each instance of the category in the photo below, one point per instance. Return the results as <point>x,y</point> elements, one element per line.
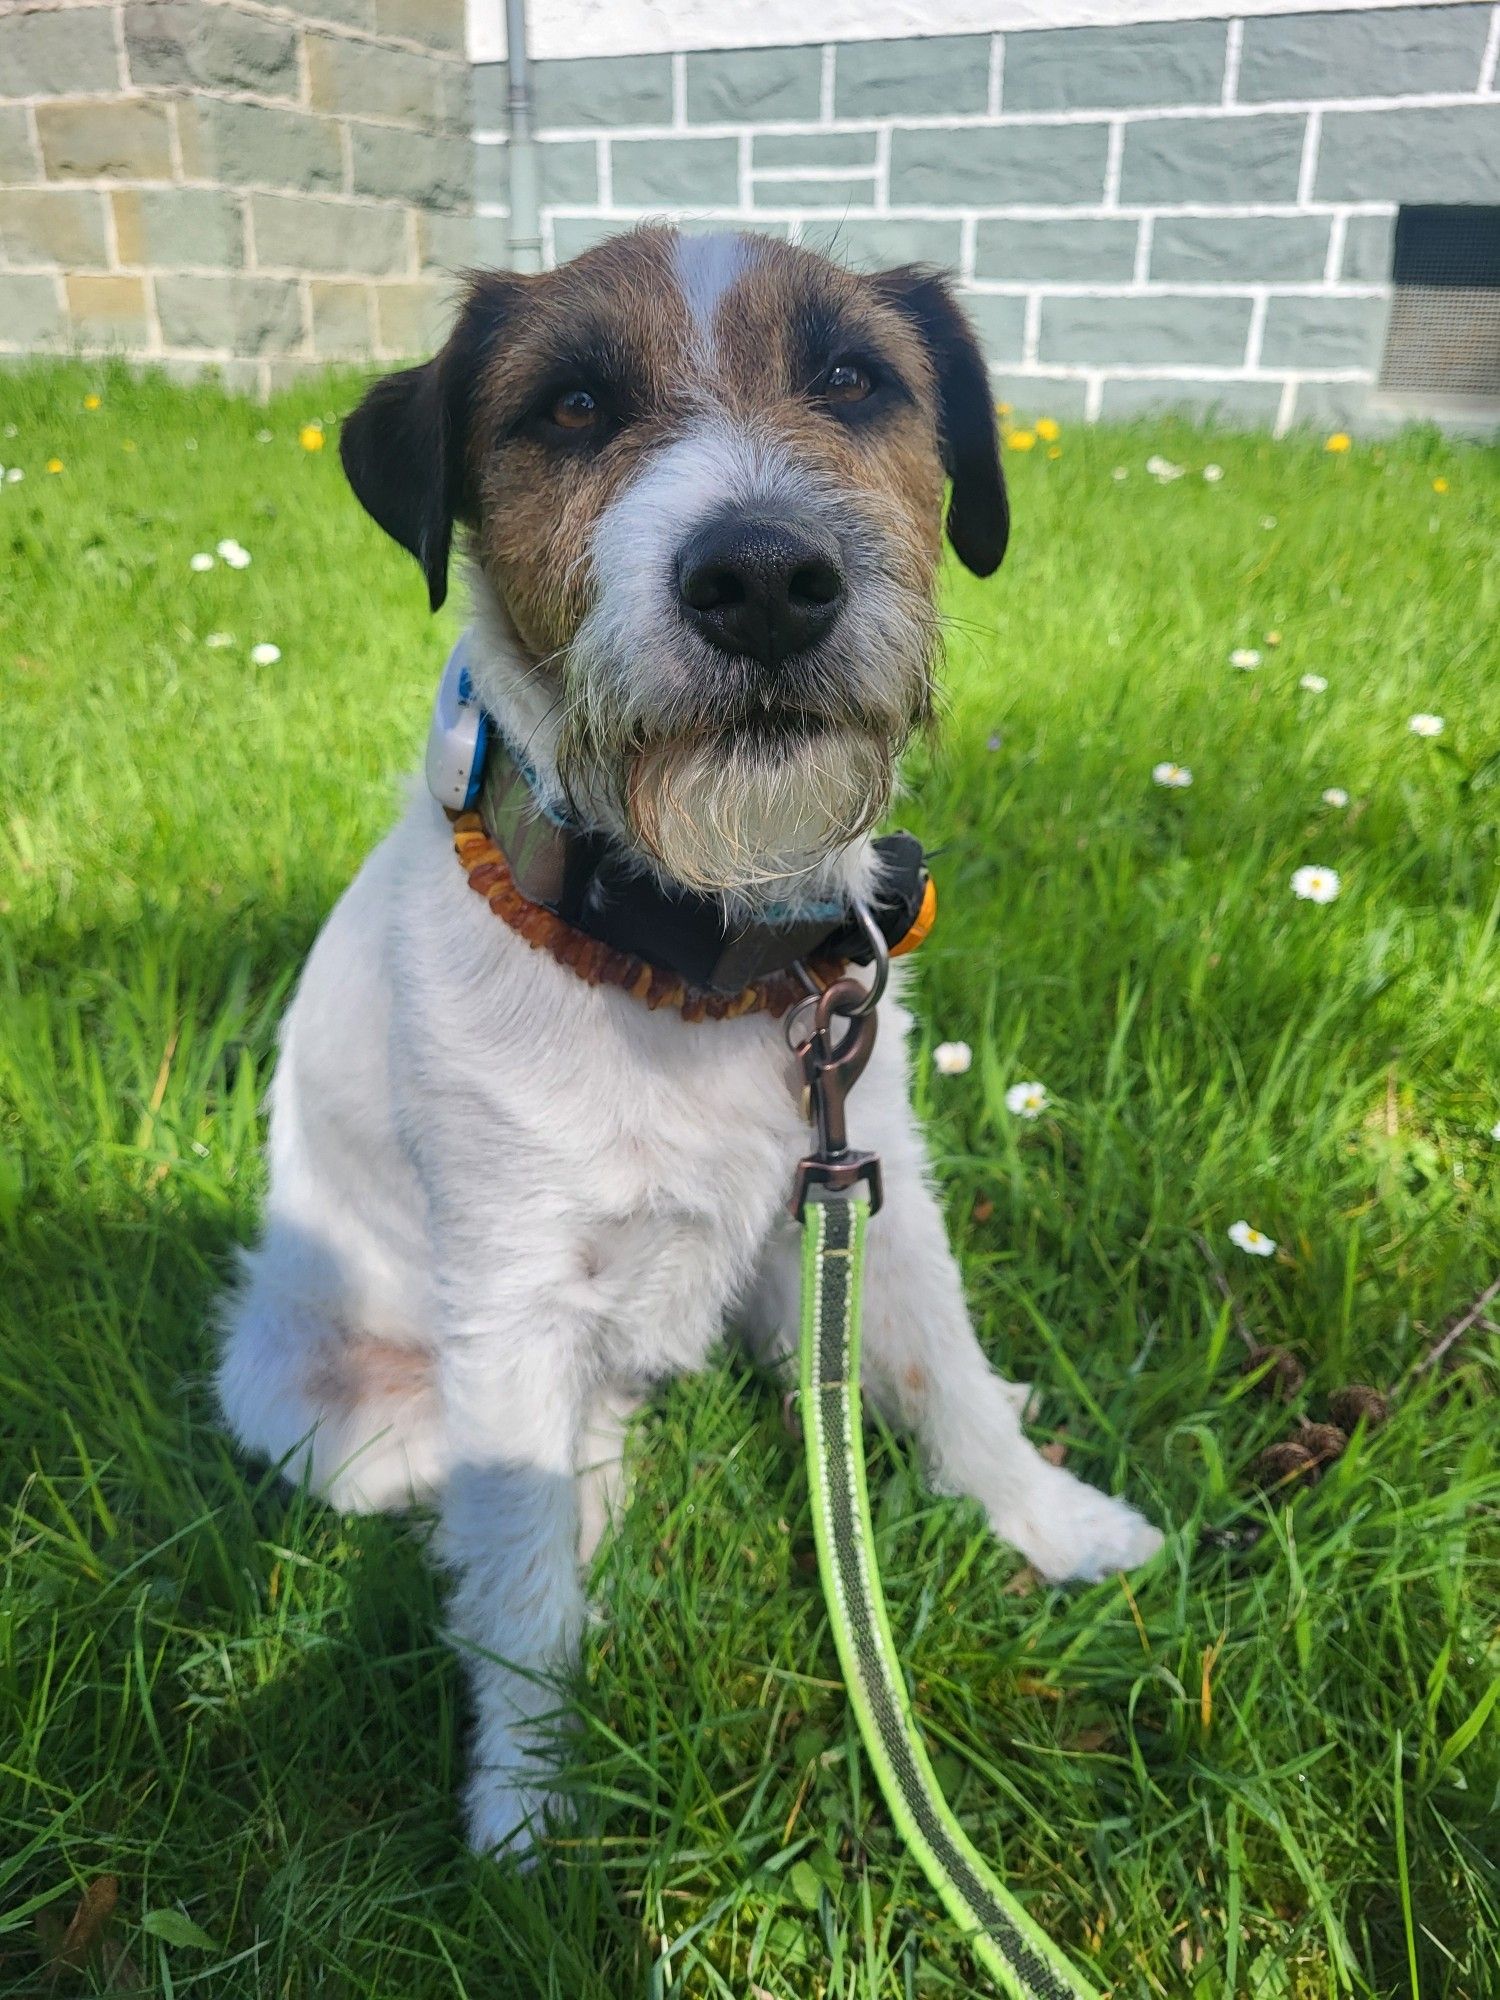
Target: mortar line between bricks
<point>304,71</point>
<point>968,231</point>
<point>1093,397</point>
<point>572,211</point>
<point>1491,56</point>
<point>1255,332</point>
<point>994,88</point>
<point>174,143</point>
<point>1338,230</point>
<point>1445,100</point>
<point>883,172</point>
<point>111,233</point>
<point>155,338</point>
<point>1307,175</point>
<point>826,61</point>
<point>160,93</point>
<point>1170,371</point>
<point>1234,43</point>
<point>1285,406</point>
<point>794,175</point>
<point>1140,270</point>
<point>1031,329</point>
<point>604,168</point>
<point>122,59</point>
<point>679,91</point>
<point>279,273</point>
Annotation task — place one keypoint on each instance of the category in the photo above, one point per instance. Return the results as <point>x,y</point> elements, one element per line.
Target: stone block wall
<point>262,188</point>
<point>1194,213</point>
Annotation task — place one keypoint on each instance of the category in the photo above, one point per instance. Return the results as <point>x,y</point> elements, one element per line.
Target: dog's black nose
<point>763,589</point>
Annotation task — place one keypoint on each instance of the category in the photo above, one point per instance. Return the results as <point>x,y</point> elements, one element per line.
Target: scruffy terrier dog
<point>701,482</point>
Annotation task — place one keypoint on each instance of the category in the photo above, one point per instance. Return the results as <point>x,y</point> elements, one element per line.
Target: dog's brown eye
<point>576,411</point>
<point>847,383</point>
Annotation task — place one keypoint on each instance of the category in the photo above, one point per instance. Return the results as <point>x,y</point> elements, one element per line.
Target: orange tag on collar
<point>922,923</point>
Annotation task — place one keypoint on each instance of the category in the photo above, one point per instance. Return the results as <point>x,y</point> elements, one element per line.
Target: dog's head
<point>703,481</point>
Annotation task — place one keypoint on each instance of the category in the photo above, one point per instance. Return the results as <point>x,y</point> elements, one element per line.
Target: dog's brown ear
<point>405,449</point>
<point>978,513</point>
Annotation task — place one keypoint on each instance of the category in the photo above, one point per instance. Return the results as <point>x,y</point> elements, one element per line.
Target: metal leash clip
<point>831,1068</point>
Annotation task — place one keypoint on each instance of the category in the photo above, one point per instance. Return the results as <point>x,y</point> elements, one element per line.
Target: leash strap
<point>1023,1960</point>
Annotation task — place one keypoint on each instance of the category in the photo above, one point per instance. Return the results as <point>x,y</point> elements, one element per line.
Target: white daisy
<point>200,562</point>
<point>1314,683</point>
<point>1268,521</point>
<point>1213,474</point>
<point>1245,1236</point>
<point>1244,657</point>
<point>262,437</point>
<point>1314,884</point>
<point>1162,469</point>
<point>1026,1100</point>
<point>218,639</point>
<point>1336,796</point>
<point>1495,1129</point>
<point>1119,473</point>
<point>1176,777</point>
<point>265,654</point>
<point>14,475</point>
<point>1426,725</point>
<point>952,1058</point>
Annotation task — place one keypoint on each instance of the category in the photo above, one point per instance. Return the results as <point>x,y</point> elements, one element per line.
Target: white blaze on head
<point>706,268</point>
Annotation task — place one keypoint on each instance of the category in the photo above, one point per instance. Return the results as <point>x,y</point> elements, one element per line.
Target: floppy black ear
<point>405,449</point>
<point>978,513</point>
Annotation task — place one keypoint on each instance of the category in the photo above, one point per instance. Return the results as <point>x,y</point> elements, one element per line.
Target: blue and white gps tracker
<point>459,736</point>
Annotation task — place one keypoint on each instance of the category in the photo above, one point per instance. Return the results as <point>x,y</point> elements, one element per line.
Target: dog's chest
<point>682,1142</point>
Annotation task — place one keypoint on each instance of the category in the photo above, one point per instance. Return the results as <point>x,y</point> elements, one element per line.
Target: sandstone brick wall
<point>261,188</point>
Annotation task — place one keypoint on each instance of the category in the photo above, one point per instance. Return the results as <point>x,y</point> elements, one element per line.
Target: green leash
<point>1024,1961</point>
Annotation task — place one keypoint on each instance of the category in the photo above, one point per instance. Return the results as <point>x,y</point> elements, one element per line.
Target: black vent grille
<point>1444,333</point>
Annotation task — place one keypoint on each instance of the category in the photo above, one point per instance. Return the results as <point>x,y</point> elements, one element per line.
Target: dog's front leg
<point>925,1368</point>
<point>514,1406</point>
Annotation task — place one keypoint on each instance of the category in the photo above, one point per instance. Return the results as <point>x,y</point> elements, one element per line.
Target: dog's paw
<point>1069,1531</point>
<point>506,1820</point>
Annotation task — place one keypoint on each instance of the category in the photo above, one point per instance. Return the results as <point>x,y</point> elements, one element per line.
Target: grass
<point>1267,1766</point>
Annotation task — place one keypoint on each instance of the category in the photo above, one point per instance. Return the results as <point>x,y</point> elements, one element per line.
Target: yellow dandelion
<point>1053,451</point>
<point>1021,440</point>
<point>91,401</point>
<point>127,444</point>
<point>1048,428</point>
<point>1273,638</point>
<point>54,465</point>
<point>1004,409</point>
<point>1340,441</point>
<point>1440,486</point>
<point>310,437</point>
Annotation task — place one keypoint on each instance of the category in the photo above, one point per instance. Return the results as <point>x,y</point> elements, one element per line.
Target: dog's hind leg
<point>354,1413</point>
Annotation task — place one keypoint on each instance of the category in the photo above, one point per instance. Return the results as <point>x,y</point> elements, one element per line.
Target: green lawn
<point>1266,1767</point>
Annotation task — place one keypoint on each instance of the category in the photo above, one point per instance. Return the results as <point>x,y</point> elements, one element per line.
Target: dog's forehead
<point>730,314</point>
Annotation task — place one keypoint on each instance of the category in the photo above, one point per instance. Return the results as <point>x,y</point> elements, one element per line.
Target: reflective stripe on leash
<point>1023,1960</point>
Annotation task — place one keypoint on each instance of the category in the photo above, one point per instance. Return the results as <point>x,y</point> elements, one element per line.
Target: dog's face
<point>704,478</point>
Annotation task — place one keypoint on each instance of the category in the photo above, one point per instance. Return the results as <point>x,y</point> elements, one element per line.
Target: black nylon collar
<point>592,883</point>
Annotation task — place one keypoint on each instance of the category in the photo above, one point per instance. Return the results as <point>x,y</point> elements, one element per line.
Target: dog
<point>700,481</point>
